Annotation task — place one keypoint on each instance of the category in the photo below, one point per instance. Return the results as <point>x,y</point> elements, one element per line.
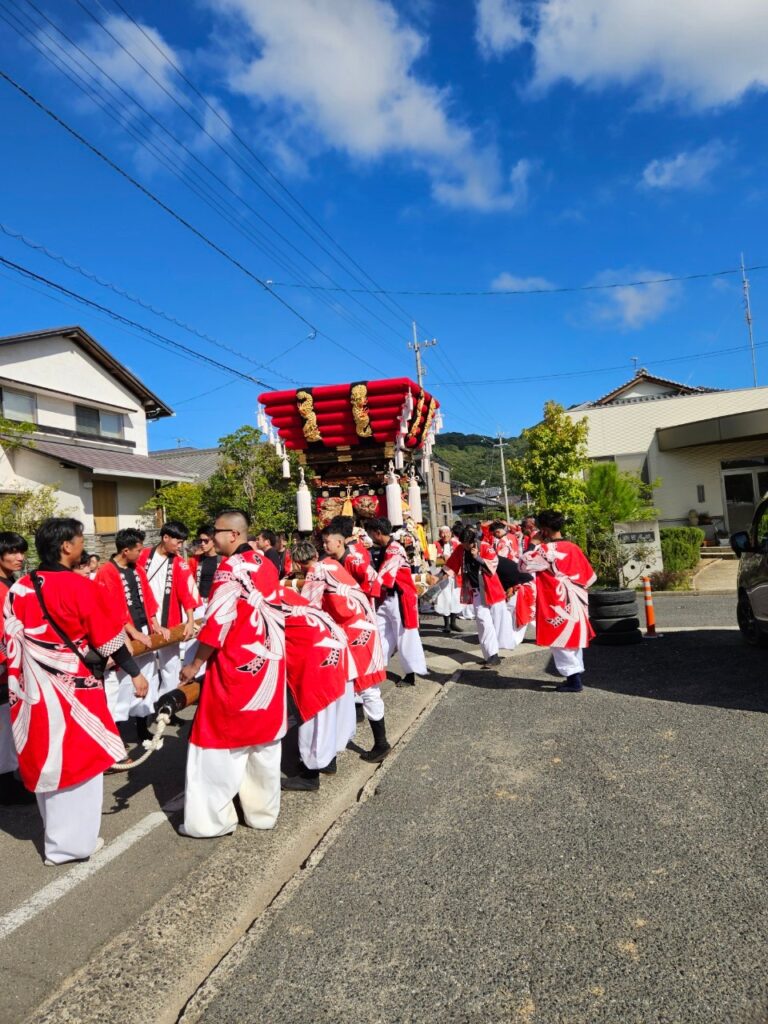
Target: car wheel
<point>748,624</point>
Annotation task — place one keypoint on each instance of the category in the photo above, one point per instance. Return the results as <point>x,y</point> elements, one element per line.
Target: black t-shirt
<point>274,557</point>
<point>206,570</point>
<point>133,596</point>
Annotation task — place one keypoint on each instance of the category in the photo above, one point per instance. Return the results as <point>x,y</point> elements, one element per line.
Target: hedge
<point>680,547</point>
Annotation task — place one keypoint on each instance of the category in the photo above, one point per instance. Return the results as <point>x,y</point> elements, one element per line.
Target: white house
<point>709,448</point>
<point>90,427</point>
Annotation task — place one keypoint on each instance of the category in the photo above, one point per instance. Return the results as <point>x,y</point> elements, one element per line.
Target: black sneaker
<point>493,662</point>
<point>376,754</point>
<point>407,680</point>
<point>330,768</point>
<point>572,684</point>
<point>300,784</point>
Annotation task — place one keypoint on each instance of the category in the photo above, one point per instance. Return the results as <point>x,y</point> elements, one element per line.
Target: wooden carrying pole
<point>177,634</point>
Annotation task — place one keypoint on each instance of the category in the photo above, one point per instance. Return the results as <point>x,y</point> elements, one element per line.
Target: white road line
<point>49,894</point>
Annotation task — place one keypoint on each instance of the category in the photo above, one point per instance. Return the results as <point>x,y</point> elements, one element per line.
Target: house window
<point>442,476</point>
<point>700,493</point>
<point>98,422</point>
<point>18,406</point>
<point>445,512</point>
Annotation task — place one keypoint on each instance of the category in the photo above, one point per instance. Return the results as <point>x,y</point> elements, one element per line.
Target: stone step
<point>721,553</point>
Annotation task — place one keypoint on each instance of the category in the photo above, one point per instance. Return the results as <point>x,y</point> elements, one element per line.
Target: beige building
<point>709,448</point>
<point>89,415</point>
<point>440,472</point>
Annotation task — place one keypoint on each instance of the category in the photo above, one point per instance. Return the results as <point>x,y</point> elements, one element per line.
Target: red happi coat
<point>62,728</point>
<point>357,562</point>
<point>507,546</point>
<point>182,595</point>
<point>329,586</point>
<point>562,575</point>
<point>316,655</point>
<point>493,590</point>
<point>395,574</point>
<point>110,581</point>
<point>242,700</point>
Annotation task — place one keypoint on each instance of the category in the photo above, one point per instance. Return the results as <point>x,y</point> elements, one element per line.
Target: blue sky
<point>446,146</point>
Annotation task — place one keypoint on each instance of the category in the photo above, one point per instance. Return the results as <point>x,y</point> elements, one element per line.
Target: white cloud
<point>630,307</point>
<point>506,282</point>
<point>499,26</point>
<point>120,66</point>
<point>704,53</point>
<point>689,169</point>
<point>343,72</point>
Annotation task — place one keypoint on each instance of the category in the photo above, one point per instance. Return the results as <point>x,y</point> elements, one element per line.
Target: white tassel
<point>303,504</point>
<point>414,498</point>
<point>286,468</point>
<point>394,498</point>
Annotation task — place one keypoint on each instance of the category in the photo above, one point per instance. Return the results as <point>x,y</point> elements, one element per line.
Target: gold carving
<point>358,397</point>
<point>430,416</point>
<point>417,415</point>
<point>306,407</point>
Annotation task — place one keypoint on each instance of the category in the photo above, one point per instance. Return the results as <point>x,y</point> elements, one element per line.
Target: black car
<point>751,549</point>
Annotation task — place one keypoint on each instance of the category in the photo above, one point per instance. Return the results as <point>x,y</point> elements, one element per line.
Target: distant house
<point>709,447</point>
<point>89,415</point>
<point>474,501</point>
<point>198,464</point>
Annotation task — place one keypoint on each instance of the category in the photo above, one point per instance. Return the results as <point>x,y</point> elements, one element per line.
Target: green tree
<point>13,434</point>
<point>23,511</point>
<point>616,497</point>
<point>250,477</point>
<point>183,501</point>
<point>552,466</point>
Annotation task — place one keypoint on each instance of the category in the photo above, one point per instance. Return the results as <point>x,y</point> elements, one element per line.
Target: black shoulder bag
<point>93,661</point>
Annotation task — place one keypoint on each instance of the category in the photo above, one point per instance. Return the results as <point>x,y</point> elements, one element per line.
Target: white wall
<point>61,365</point>
<point>624,429</point>
<point>24,470</point>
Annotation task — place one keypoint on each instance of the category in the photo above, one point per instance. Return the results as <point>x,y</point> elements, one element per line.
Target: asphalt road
<point>537,857</point>
<point>122,942</point>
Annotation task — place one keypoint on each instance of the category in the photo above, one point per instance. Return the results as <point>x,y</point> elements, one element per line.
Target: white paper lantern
<point>303,504</point>
<point>394,498</point>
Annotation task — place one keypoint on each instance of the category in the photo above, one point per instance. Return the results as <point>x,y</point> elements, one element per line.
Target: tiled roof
<point>106,462</point>
<point>200,463</point>
<point>643,375</point>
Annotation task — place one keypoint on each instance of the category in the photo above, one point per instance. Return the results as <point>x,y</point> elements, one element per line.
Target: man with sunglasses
<point>234,746</point>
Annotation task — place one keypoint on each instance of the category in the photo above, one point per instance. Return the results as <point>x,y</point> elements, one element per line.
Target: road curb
<point>174,947</point>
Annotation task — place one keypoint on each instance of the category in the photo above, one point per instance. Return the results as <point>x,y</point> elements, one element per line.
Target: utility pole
<point>748,318</point>
<point>416,346</point>
<point>501,447</point>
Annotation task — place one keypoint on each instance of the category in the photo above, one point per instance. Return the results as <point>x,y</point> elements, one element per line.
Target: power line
<point>163,339</point>
<point>89,275</point>
<point>172,213</point>
<point>607,369</point>
<point>554,290</point>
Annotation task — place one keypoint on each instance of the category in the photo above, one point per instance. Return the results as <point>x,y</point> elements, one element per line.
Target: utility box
<point>641,541</point>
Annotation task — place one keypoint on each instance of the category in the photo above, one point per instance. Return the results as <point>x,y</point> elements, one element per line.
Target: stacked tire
<point>614,617</point>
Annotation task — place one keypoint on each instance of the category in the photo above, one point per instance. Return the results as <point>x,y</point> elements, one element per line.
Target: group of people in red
<point>508,576</point>
<point>286,672</point>
<point>282,669</point>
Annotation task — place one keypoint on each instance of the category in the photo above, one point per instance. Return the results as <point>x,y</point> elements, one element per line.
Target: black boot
<point>409,679</point>
<point>447,623</point>
<point>455,624</point>
<point>572,684</point>
<point>359,716</point>
<point>14,792</point>
<point>307,781</point>
<point>330,768</point>
<point>142,730</point>
<point>380,745</point>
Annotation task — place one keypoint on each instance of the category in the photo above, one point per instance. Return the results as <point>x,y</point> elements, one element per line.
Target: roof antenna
<point>180,441</point>
<point>635,361</point>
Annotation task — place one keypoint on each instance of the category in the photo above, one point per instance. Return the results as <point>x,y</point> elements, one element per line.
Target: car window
<point>760,532</point>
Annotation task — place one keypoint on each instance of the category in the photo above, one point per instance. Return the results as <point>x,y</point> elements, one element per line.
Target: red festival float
<point>358,441</point>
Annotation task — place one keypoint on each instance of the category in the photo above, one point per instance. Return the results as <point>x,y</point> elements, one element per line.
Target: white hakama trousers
<point>394,637</point>
<point>466,611</point>
<point>72,819</point>
<point>486,631</point>
<point>569,661</point>
<point>318,737</point>
<point>118,689</point>
<point>9,762</point>
<point>502,623</point>
<point>215,776</point>
<point>518,632</point>
<point>373,704</point>
<point>169,660</point>
<point>448,601</point>
<point>346,719</point>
